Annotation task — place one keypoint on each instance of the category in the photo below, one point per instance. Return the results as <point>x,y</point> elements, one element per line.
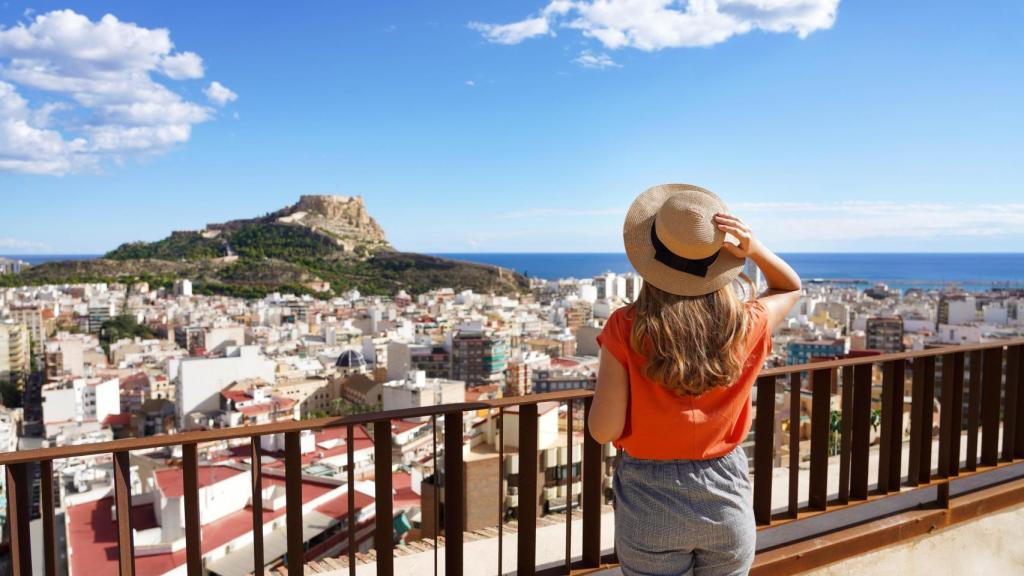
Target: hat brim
<point>636,234</point>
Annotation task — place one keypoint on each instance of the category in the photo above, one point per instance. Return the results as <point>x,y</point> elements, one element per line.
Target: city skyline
<point>525,128</point>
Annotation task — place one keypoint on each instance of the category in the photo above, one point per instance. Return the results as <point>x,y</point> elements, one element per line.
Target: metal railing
<point>992,392</point>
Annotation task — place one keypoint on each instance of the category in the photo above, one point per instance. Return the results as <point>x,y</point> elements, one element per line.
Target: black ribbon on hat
<point>676,262</point>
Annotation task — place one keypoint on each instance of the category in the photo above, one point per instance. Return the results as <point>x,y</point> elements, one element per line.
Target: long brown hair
<point>690,342</point>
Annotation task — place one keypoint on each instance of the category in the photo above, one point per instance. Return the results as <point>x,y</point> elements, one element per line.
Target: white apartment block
<point>80,400</point>
<point>200,380</point>
<point>417,391</point>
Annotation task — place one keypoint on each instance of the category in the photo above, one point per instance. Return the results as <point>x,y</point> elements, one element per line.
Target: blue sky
<point>895,126</point>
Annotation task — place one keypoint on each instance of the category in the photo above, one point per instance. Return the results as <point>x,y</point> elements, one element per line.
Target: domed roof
<point>351,359</point>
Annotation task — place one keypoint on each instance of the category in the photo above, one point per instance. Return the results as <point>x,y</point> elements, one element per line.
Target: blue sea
<point>977,271</point>
<point>929,270</point>
<point>35,259</point>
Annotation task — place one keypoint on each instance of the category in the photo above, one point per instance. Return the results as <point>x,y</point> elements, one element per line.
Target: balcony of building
<point>926,452</point>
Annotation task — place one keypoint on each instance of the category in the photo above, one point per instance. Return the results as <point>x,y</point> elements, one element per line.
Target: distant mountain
<point>322,244</point>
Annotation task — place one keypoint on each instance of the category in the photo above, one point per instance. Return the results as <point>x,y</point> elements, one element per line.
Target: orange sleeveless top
<point>663,426</point>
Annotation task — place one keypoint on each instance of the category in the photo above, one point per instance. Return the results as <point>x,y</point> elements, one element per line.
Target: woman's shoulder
<point>758,332</point>
<point>617,327</point>
<point>622,318</point>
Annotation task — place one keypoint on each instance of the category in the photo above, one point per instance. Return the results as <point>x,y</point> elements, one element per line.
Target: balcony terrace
<point>812,508</point>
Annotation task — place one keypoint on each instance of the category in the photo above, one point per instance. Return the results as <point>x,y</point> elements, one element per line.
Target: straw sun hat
<point>673,242</point>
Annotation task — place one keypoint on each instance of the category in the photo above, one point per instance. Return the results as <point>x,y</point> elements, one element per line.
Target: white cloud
<point>94,95</point>
<point>23,246</point>
<point>588,59</point>
<point>852,221</point>
<point>29,148</point>
<point>560,213</point>
<point>470,83</point>
<point>219,94</point>
<point>657,24</point>
<point>185,65</point>
<point>513,33</point>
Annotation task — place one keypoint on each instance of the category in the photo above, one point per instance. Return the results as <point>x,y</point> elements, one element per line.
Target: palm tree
<point>835,425</point>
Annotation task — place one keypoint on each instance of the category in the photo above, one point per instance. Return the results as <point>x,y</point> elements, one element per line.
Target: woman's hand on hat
<point>745,244</point>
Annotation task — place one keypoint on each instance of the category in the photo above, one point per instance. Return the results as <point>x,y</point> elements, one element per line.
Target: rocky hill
<point>321,244</point>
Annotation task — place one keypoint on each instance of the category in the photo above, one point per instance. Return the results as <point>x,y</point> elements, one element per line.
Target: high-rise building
<point>435,361</point>
<point>15,355</point>
<point>632,284</point>
<point>561,380</point>
<point>478,359</point>
<point>884,333</point>
<point>417,391</point>
<point>755,275</point>
<point>99,313</point>
<point>579,313</point>
<point>801,351</point>
<point>956,309</point>
<point>406,357</point>
<point>182,287</point>
<point>35,319</point>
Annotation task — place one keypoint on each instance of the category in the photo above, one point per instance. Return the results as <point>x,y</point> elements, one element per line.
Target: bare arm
<point>783,282</point>
<point>608,412</point>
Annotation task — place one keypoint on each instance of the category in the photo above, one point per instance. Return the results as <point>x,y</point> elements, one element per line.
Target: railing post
<point>950,414</point>
<point>846,434</point>
<point>794,444</point>
<point>764,443</point>
<point>383,533</point>
<point>123,501</point>
<point>891,440</point>
<point>293,502</point>
<point>193,537</point>
<point>18,518</point>
<point>1018,444</point>
<point>921,421</point>
<point>350,476</point>
<point>568,487</point>
<point>861,431</point>
<point>500,437</point>
<point>46,510</point>
<point>991,375</point>
<point>527,511</point>
<point>454,492</point>
<point>1010,413</point>
<point>973,410</point>
<point>256,463</point>
<point>592,479</point>
<point>821,382</point>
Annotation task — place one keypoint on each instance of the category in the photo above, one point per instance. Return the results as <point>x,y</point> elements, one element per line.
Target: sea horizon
<point>969,270</point>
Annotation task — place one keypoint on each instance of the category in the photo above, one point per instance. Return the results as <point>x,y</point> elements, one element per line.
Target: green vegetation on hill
<point>178,246</point>
<point>280,241</point>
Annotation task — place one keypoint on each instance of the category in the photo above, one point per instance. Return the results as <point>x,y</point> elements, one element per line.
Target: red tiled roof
<point>92,532</point>
<point>117,419</point>
<point>236,395</point>
<point>171,482</point>
<point>401,482</point>
<point>475,393</point>
<point>360,441</point>
<point>135,382</point>
<point>399,426</point>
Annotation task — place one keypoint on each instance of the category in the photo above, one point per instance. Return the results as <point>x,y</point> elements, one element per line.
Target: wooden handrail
<point>939,351</point>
